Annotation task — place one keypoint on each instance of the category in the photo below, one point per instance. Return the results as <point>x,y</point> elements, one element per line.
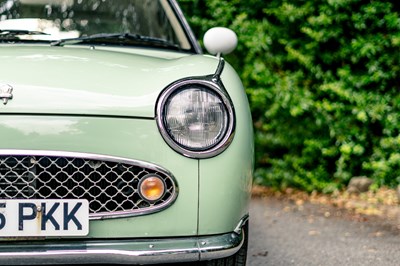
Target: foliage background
<point>322,77</point>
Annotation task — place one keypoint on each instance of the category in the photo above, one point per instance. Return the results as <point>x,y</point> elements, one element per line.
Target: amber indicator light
<point>152,188</point>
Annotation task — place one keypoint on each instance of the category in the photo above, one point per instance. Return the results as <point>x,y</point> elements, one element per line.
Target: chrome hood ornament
<point>6,92</point>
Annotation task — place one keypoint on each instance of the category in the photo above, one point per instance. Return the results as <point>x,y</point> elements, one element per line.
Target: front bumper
<point>144,251</point>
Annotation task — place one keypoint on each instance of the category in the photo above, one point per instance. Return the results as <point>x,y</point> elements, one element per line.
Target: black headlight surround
<point>213,87</point>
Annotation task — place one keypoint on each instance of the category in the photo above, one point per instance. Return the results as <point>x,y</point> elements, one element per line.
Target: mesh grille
<point>110,187</point>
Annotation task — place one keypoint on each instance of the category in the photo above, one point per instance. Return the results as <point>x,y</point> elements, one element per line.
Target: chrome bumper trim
<point>143,251</point>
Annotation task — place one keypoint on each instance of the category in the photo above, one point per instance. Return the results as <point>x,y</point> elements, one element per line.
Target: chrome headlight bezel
<point>216,89</point>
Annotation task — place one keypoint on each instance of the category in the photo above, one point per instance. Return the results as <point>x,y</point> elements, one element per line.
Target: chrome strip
<point>215,87</point>
<point>99,157</point>
<point>186,26</point>
<point>217,75</point>
<point>142,251</point>
<point>242,222</point>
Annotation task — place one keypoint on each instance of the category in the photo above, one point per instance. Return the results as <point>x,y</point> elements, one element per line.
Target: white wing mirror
<point>220,40</point>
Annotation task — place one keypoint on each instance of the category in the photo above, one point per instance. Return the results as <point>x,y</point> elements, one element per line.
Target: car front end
<point>120,154</point>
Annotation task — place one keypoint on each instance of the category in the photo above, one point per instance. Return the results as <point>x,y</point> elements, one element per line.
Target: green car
<point>121,142</point>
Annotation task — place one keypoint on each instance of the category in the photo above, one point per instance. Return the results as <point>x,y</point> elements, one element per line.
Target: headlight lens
<point>195,119</point>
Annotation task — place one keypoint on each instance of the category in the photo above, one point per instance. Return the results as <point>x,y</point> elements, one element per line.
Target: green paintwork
<point>225,180</point>
<point>76,81</point>
<point>130,138</point>
<point>80,80</point>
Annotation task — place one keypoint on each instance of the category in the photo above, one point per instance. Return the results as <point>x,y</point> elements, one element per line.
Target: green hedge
<point>323,82</point>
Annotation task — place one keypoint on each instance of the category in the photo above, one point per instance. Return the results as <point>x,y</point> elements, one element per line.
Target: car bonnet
<point>83,80</point>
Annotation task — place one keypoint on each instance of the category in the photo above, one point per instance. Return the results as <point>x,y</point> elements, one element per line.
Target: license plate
<point>25,218</point>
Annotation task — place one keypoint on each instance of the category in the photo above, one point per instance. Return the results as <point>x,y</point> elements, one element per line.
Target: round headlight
<point>195,118</point>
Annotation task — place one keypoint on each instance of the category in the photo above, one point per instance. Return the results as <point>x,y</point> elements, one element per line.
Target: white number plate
<point>23,218</point>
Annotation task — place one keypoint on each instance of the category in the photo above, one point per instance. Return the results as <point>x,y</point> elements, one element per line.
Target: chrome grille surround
<point>108,183</point>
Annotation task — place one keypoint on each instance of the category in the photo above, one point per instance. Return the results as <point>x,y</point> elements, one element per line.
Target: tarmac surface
<point>283,233</point>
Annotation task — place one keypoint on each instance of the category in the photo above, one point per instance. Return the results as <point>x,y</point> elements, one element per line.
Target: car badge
<point>6,93</point>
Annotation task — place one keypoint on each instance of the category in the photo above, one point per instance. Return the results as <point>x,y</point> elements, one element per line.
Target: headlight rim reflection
<point>208,86</point>
<point>223,126</point>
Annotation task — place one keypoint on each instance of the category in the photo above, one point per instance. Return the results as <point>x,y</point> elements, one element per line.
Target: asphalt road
<point>282,233</point>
